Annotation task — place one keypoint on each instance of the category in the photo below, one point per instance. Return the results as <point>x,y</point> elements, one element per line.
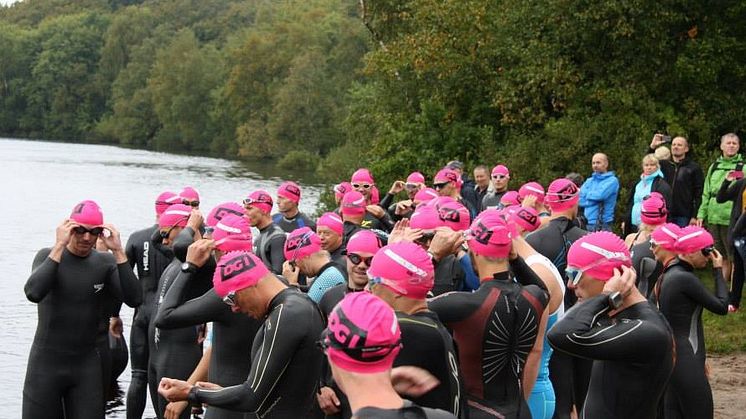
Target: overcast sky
<point>7,1</point>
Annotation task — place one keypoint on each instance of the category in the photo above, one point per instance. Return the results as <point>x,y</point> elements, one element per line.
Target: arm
<point>579,334</point>
<point>525,275</point>
<point>174,409</point>
<point>43,277</point>
<point>697,186</point>
<point>267,366</point>
<point>703,207</point>
<point>728,190</point>
<point>276,253</point>
<point>129,250</point>
<point>173,313</point>
<point>471,281</point>
<point>603,190</point>
<point>716,303</point>
<point>533,360</point>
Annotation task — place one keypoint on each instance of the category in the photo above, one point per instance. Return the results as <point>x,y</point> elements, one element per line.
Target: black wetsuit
<point>449,276</point>
<point>233,334</point>
<point>492,353</point>
<point>284,363</point>
<point>64,372</point>
<point>289,224</point>
<point>681,297</point>
<point>384,223</point>
<point>632,352</point>
<point>639,253</point>
<point>174,353</point>
<point>427,344</point>
<point>269,246</point>
<point>408,411</point>
<point>349,229</point>
<point>150,259</point>
<point>569,375</point>
<point>339,257</point>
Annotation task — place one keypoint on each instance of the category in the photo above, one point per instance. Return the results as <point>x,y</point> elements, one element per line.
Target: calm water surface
<point>42,181</point>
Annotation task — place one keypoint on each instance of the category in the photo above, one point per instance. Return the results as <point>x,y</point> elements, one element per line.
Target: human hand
<point>115,327</point>
<point>656,141</point>
<point>529,201</point>
<point>195,219</point>
<point>65,232</point>
<point>622,281</point>
<point>396,187</point>
<point>412,381</point>
<point>716,258</point>
<point>111,238</point>
<point>174,409</point>
<point>376,210</point>
<point>328,400</point>
<point>445,242</point>
<point>403,207</point>
<point>200,251</point>
<point>290,272</point>
<point>699,222</point>
<point>174,390</point>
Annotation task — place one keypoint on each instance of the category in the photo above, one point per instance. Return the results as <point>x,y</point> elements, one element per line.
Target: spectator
<point>468,187</point>
<point>599,193</point>
<point>651,180</point>
<point>482,180</point>
<point>500,179</point>
<point>685,178</point>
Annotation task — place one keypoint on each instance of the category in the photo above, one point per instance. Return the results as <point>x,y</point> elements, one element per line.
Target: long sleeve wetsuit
<point>64,368</point>
<point>681,298</point>
<point>233,334</point>
<point>632,352</point>
<point>495,328</point>
<point>284,363</point>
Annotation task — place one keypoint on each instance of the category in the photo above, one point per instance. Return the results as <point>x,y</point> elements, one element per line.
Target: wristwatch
<point>188,267</point>
<point>615,300</point>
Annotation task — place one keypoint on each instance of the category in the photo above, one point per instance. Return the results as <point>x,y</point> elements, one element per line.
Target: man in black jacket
<point>685,178</point>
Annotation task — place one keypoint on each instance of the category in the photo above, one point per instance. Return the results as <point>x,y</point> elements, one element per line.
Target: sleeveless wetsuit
<point>569,375</point>
<point>284,363</point>
<point>174,353</point>
<point>542,399</point>
<point>632,352</point>
<point>681,298</point>
<point>495,328</point>
<point>64,372</point>
<point>233,334</point>
<point>150,259</point>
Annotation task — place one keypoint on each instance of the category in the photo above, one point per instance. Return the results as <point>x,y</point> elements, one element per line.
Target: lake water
<point>42,181</point>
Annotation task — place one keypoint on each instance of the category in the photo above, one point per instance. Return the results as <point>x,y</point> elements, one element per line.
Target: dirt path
<point>728,381</point>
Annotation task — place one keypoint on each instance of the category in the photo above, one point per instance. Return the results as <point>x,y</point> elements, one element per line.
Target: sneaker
<point>732,308</point>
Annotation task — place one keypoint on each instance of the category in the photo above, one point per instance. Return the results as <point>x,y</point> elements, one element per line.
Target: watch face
<point>185,266</point>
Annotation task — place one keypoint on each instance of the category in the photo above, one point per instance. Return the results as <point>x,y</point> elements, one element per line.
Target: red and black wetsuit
<point>408,411</point>
<point>681,298</point>
<point>633,356</point>
<point>495,328</point>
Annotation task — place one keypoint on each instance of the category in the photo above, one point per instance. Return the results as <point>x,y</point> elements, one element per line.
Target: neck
<point>291,213</point>
<point>678,159</point>
<point>316,262</point>
<point>410,305</point>
<point>269,288</point>
<point>263,223</point>
<point>560,214</point>
<point>72,250</point>
<point>633,298</point>
<point>488,270</point>
<point>373,391</point>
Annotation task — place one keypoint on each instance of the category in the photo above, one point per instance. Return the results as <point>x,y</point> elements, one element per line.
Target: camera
<point>666,138</point>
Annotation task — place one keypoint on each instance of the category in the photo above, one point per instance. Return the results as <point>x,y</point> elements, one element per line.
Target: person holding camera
<point>681,297</point>
<point>685,178</point>
<point>732,189</point>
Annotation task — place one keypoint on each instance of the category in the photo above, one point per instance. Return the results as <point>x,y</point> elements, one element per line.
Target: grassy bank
<point>723,334</point>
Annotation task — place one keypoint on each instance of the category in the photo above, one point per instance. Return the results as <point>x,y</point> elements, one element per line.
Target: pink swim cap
<point>362,176</point>
<point>231,233</point>
<point>509,199</point>
<point>425,217</point>
<point>221,210</point>
<point>598,254</point>
<point>341,189</point>
<point>375,196</point>
<point>531,188</point>
<point>300,243</point>
<point>364,241</point>
<point>189,193</point>
<point>653,210</point>
<point>289,190</point>
<point>176,215</point>
<point>666,236</point>
<point>500,170</point>
<point>405,268</point>
<point>260,199</point>
<point>526,218</point>
<point>236,271</point>
<point>353,203</point>
<point>87,212</point>
<point>165,200</point>
<point>362,335</point>
<point>693,239</point>
<point>415,177</point>
<point>426,195</point>
<point>561,195</point>
<point>331,220</point>
<point>454,215</point>
<point>490,235</point>
<point>448,175</point>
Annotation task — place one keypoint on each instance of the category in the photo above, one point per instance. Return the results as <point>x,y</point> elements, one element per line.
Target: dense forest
<point>396,85</point>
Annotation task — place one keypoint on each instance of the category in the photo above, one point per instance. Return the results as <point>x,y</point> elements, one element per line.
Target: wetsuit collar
<point>279,298</point>
<point>678,262</point>
<point>500,276</point>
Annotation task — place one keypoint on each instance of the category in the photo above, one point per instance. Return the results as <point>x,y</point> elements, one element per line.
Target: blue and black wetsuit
<point>289,224</point>
<point>681,297</point>
<point>150,258</point>
<point>233,334</point>
<point>64,373</point>
<point>285,362</point>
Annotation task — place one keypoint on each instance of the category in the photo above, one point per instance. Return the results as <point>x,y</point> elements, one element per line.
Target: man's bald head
<point>600,163</point>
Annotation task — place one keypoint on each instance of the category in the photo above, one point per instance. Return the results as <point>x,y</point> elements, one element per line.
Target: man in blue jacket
<point>598,195</point>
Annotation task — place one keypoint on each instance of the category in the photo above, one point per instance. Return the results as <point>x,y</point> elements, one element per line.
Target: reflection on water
<point>41,182</point>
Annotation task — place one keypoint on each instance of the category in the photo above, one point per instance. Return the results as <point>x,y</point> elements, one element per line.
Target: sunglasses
<point>707,251</point>
<point>361,185</point>
<point>425,239</point>
<point>95,231</point>
<point>166,233</point>
<point>410,185</point>
<point>230,299</point>
<point>440,185</point>
<point>574,275</point>
<point>193,204</point>
<point>209,230</point>
<point>356,259</point>
<point>498,177</point>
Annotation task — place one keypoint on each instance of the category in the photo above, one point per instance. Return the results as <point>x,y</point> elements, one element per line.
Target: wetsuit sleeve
<point>172,313</point>
<point>43,277</point>
<point>281,340</point>
<point>182,242</point>
<point>386,202</point>
<point>728,191</point>
<point>698,182</point>
<point>129,250</point>
<point>276,253</point>
<point>525,275</point>
<point>579,334</point>
<point>717,303</point>
<point>124,285</point>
